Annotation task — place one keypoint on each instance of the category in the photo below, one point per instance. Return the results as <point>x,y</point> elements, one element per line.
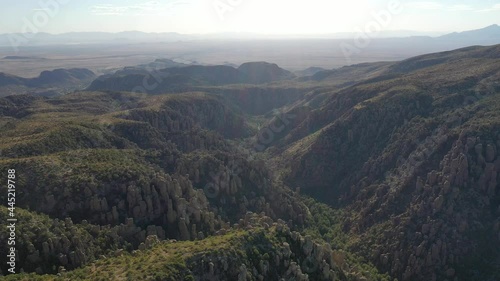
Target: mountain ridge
<point>190,76</point>
<point>89,37</point>
<point>49,77</point>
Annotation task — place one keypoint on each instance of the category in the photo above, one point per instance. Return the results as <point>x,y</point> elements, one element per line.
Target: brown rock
<point>490,153</point>
<point>479,149</point>
<point>419,185</point>
<point>420,249</point>
<point>450,272</point>
<point>425,228</point>
<point>183,230</point>
<point>432,178</point>
<point>438,203</point>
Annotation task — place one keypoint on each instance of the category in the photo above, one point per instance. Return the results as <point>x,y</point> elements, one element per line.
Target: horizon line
<point>251,33</point>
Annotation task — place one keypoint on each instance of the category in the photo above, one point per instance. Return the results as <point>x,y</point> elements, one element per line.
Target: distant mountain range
<point>491,32</point>
<point>487,35</point>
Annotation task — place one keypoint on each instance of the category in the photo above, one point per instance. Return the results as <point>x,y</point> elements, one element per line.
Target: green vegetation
<point>392,174</point>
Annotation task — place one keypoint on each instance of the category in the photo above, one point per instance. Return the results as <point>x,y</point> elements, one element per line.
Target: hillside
<point>262,252</point>
<point>188,78</point>
<point>413,150</point>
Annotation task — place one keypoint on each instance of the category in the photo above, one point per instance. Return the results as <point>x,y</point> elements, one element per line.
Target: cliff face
<point>448,211</point>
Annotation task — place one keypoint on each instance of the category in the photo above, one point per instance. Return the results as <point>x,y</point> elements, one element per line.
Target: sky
<point>253,16</point>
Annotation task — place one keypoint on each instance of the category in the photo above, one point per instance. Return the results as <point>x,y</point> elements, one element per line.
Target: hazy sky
<point>257,16</point>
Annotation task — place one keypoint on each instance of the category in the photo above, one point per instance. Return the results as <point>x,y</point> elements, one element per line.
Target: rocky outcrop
<point>445,210</point>
<point>414,157</point>
<point>298,258</point>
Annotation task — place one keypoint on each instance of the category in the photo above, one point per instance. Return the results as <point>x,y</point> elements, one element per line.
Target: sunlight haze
<point>249,16</point>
